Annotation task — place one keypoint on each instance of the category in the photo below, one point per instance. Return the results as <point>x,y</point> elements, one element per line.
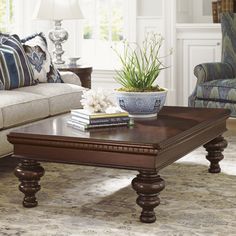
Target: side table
<point>84,73</point>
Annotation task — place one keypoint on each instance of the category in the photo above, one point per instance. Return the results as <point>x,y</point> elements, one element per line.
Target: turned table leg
<point>29,173</point>
<point>215,149</point>
<point>148,185</point>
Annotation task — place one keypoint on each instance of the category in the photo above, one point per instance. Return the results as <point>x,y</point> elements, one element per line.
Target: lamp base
<point>58,36</point>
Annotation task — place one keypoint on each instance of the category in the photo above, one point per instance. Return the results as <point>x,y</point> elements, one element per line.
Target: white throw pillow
<point>40,59</point>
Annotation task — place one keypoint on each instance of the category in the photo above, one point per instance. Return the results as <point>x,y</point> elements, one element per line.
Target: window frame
<point>9,21</point>
<point>129,34</point>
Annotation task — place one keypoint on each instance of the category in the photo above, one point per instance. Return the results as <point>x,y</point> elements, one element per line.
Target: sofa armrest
<point>213,71</point>
<point>69,77</point>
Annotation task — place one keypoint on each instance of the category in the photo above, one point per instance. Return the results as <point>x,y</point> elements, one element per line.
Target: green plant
<point>141,65</point>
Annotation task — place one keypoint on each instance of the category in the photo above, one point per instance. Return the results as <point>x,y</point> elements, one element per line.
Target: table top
<point>171,124</point>
<point>151,144</point>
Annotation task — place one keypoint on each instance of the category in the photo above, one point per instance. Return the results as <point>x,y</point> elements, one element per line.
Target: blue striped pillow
<point>15,70</point>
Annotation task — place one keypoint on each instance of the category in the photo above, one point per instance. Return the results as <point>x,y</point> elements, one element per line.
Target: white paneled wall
<point>25,24</point>
<point>184,11</point>
<point>151,24</point>
<point>197,41</point>
<point>170,39</point>
<point>196,44</point>
<point>150,18</point>
<point>202,11</point>
<point>150,8</point>
<point>181,22</point>
<point>193,11</point>
<point>104,79</point>
<point>72,46</point>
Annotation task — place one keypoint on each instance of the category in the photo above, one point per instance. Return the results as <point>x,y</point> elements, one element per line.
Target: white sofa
<point>27,104</point>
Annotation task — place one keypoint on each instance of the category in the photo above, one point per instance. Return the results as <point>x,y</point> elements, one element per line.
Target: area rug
<point>78,200</point>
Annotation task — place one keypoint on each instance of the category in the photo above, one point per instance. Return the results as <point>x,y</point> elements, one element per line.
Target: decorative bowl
<point>141,104</point>
<point>73,61</point>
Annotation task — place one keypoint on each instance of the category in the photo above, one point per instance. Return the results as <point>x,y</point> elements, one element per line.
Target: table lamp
<point>58,10</point>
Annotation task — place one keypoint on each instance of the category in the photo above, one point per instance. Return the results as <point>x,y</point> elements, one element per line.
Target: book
<point>88,115</point>
<point>219,10</point>
<point>108,120</point>
<point>82,126</point>
<point>227,5</point>
<point>230,5</point>
<point>214,12</point>
<point>223,6</point>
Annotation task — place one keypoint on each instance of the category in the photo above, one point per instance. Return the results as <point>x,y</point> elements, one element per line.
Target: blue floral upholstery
<point>36,49</point>
<point>36,57</point>
<point>218,90</point>
<point>216,82</point>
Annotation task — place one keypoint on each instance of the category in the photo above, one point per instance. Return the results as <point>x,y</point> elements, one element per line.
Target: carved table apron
<point>147,147</point>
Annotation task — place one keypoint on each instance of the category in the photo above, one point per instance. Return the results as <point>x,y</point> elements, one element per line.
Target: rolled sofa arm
<point>213,71</point>
<point>69,77</point>
<point>207,72</point>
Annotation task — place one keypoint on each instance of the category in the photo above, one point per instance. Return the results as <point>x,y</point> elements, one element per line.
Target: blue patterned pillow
<point>15,70</point>
<point>40,60</point>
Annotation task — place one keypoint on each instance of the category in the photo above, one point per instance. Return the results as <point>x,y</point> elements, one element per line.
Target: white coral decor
<point>97,100</point>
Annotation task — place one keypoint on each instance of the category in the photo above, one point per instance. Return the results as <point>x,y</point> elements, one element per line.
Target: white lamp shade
<point>58,10</point>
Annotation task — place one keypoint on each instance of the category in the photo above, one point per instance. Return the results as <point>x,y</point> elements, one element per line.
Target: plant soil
<point>151,89</point>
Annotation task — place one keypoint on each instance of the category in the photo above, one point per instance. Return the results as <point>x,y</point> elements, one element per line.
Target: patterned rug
<point>77,200</point>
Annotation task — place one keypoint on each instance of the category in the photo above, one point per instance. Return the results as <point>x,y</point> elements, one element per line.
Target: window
<point>6,15</point>
<point>106,22</point>
<point>106,25</point>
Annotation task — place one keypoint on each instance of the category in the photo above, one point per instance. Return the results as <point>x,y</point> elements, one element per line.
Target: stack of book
<point>220,6</point>
<point>82,119</point>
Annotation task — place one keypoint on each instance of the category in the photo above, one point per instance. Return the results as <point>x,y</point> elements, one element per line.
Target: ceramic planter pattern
<point>141,104</point>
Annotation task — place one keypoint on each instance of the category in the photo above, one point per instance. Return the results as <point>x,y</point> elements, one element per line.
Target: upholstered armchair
<point>216,82</point>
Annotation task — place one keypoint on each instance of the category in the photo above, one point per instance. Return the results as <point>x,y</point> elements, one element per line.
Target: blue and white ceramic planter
<point>141,104</point>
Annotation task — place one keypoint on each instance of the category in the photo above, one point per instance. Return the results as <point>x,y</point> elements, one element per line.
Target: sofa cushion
<point>40,60</point>
<point>15,70</point>
<point>62,97</point>
<point>20,107</point>
<point>69,77</point>
<point>218,90</point>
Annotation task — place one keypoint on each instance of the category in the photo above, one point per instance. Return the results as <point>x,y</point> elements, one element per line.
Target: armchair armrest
<point>69,77</point>
<point>210,71</point>
<point>213,71</point>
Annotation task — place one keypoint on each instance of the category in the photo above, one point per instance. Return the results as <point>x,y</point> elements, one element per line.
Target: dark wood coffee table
<point>147,147</point>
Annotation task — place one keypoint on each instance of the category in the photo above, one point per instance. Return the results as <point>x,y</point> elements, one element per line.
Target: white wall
<point>155,15</point>
<point>25,24</point>
<point>194,11</point>
<point>150,8</point>
<point>151,16</point>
